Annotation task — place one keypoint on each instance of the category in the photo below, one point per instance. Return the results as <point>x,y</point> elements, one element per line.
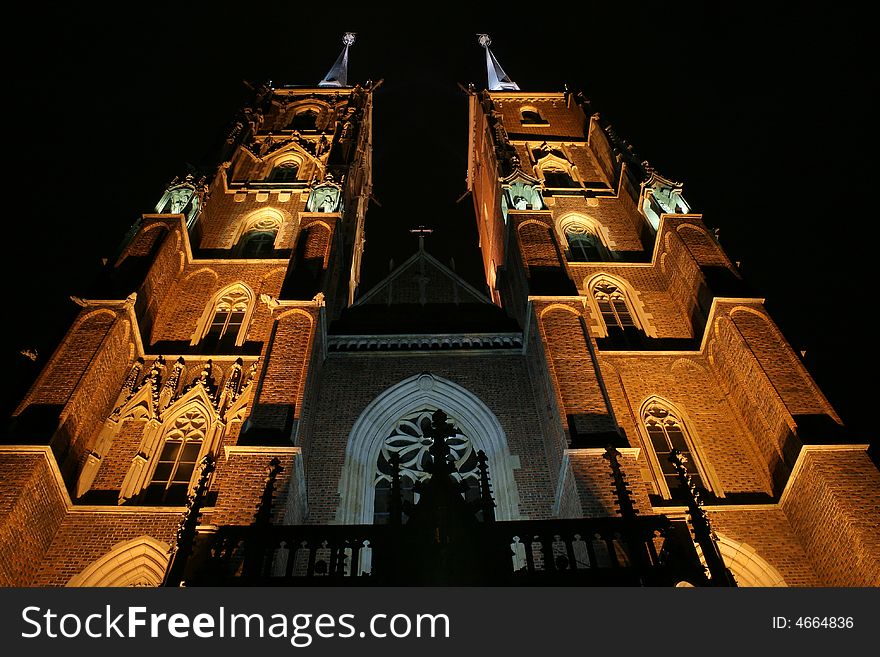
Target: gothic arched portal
<point>383,416</point>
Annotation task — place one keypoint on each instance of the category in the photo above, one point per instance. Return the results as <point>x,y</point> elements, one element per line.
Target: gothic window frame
<point>141,561</point>
<point>554,164</point>
<point>642,320</point>
<point>282,163</point>
<point>408,440</point>
<point>656,408</point>
<point>174,434</point>
<point>577,224</point>
<point>144,463</point>
<point>245,246</point>
<point>423,391</point>
<point>263,223</point>
<point>208,318</point>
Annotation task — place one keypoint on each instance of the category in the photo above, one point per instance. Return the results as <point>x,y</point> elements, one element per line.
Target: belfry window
<point>613,306</point>
<point>285,172</point>
<point>583,244</point>
<point>177,461</point>
<point>228,317</point>
<point>257,244</point>
<point>557,178</point>
<point>409,441</point>
<point>306,121</point>
<point>531,116</point>
<point>666,432</point>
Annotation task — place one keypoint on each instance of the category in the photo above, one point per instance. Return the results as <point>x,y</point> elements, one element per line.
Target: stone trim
<point>425,342</point>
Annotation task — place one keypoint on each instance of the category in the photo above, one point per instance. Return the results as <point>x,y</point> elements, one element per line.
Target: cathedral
<point>611,408</point>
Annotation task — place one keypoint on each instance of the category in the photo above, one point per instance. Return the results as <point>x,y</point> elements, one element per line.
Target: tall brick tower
<point>650,340</point>
<point>613,407</point>
<point>200,350</point>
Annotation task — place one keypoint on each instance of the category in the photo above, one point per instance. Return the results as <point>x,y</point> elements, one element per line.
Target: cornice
<point>445,342</point>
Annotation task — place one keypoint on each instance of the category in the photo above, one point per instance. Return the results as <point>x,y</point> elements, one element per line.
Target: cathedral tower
<point>613,408</point>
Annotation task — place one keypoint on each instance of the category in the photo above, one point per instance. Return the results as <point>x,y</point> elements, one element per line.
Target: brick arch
<point>559,306</point>
<point>536,244</point>
<point>323,110</point>
<point>687,364</point>
<point>266,280</point>
<point>146,240</point>
<point>91,315</point>
<point>778,362</point>
<point>139,562</point>
<point>418,392</point>
<point>81,343</point>
<point>700,244</point>
<point>297,311</point>
<point>314,241</point>
<point>285,155</point>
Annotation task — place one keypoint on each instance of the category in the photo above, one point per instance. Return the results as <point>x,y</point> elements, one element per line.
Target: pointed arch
<point>141,561</point>
<point>285,168</point>
<point>747,566</point>
<point>307,116</point>
<point>587,239</point>
<point>227,315</point>
<point>170,451</point>
<point>664,426</point>
<point>267,221</point>
<point>186,439</point>
<point>557,172</point>
<point>616,306</point>
<point>417,393</point>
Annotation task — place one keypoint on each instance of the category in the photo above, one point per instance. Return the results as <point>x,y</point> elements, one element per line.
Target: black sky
<point>763,117</point>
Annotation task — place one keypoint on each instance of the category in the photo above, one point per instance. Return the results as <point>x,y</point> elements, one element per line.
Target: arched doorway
<point>385,420</point>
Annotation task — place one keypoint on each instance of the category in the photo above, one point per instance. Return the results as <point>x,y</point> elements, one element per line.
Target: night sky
<point>764,118</point>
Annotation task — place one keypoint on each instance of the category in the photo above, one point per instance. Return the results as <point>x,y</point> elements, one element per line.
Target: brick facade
<point>287,389</point>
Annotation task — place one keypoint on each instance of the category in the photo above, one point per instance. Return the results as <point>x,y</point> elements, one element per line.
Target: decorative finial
<point>498,79</point>
<point>338,75</point>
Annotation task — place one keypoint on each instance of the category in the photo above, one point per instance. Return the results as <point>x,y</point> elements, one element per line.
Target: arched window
<point>621,327</point>
<point>228,319</point>
<point>408,439</point>
<point>393,421</point>
<point>531,116</point>
<point>257,244</point>
<point>287,171</point>
<point>613,306</point>
<point>666,431</point>
<point>177,460</point>
<point>305,121</point>
<point>583,244</point>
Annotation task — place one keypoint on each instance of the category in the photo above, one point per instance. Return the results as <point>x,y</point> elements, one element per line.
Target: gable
<point>423,279</point>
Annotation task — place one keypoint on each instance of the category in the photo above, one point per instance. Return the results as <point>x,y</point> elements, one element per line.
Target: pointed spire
<point>498,79</point>
<point>338,75</point>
